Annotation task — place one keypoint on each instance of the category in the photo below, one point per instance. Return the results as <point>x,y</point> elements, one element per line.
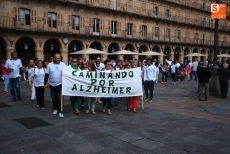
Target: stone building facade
<point>39,28</point>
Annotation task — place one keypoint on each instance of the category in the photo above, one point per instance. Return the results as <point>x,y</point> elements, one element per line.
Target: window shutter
<point>33,16</point>
<point>16,11</point>
<point>101,23</point>
<point>134,28</point>
<point>59,19</point>
<point>91,22</point>
<point>140,28</point>
<point>82,22</point>
<point>45,18</point>
<point>109,24</point>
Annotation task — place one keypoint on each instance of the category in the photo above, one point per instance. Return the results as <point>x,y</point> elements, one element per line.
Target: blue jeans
<point>6,82</point>
<point>15,84</point>
<point>195,74</point>
<point>114,100</point>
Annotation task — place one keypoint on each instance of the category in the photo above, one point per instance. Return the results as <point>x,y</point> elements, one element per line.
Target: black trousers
<point>40,96</point>
<point>82,101</point>
<point>107,101</point>
<point>149,87</point>
<point>173,77</point>
<point>223,88</point>
<point>55,92</point>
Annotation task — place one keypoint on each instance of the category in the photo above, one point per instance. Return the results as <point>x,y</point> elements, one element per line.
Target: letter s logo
<point>215,8</point>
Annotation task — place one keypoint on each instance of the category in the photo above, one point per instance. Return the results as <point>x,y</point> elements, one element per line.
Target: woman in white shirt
<point>173,72</point>
<point>107,100</point>
<point>37,79</point>
<point>30,70</point>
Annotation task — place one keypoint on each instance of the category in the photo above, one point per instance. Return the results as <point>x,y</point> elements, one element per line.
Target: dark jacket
<point>203,74</point>
<point>224,74</point>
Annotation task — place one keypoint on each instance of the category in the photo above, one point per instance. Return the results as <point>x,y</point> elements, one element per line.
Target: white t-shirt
<point>173,68</point>
<point>38,76</point>
<point>30,73</point>
<point>55,73</point>
<point>195,65</point>
<point>15,65</point>
<point>177,65</point>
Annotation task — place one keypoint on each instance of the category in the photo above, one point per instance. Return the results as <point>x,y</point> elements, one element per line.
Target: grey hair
<point>13,53</point>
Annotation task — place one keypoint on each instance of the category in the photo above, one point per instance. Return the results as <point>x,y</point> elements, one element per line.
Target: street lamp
<point>51,47</point>
<point>128,49</point>
<point>25,45</point>
<point>142,50</point>
<point>112,49</point>
<point>74,47</point>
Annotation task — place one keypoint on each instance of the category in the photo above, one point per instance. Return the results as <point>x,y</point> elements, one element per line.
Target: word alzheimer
<point>99,89</point>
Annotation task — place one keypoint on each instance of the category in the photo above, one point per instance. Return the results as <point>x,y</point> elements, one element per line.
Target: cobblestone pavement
<point>176,122</point>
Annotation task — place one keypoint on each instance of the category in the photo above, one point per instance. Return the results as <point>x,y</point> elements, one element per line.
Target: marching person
<point>173,72</point>
<point>133,101</point>
<point>5,74</point>
<point>224,75</point>
<point>203,75</point>
<point>149,79</point>
<point>53,79</point>
<point>90,101</point>
<point>157,64</point>
<point>29,72</point>
<point>74,99</point>
<point>37,80</point>
<point>14,67</point>
<point>107,100</point>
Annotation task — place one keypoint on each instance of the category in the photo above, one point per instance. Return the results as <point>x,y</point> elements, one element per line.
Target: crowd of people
<point>41,76</point>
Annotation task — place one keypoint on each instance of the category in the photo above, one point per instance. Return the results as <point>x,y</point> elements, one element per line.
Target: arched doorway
<point>186,51</point>
<point>210,55</point>
<point>2,49</point>
<point>156,49</point>
<point>202,58</point>
<point>143,48</point>
<point>74,46</point>
<point>167,52</point>
<point>177,54</point>
<point>51,47</point>
<point>129,47</point>
<point>223,59</point>
<point>113,47</point>
<point>95,45</point>
<point>25,47</point>
<point>195,50</point>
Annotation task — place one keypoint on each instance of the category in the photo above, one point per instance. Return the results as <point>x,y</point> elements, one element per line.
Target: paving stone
<point>87,147</point>
<point>147,144</point>
<point>200,140</point>
<point>128,148</point>
<point>47,145</point>
<point>165,149</point>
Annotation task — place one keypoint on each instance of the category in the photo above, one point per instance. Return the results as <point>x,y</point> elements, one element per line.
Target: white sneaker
<point>61,115</point>
<point>55,112</point>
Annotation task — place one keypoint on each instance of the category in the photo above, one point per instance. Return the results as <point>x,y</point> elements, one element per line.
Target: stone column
<point>64,54</point>
<point>8,53</point>
<point>161,59</point>
<point>39,53</point>
<point>85,56</point>
<point>135,56</point>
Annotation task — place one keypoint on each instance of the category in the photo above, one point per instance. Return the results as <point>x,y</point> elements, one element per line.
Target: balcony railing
<point>11,23</point>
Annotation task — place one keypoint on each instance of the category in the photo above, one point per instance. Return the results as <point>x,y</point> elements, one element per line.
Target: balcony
<point>66,28</point>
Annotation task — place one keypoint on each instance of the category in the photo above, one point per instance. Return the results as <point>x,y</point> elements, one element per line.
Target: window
<point>203,37</point>
<point>24,16</point>
<point>168,33</point>
<point>144,31</point>
<point>76,22</point>
<point>114,27</point>
<point>204,21</point>
<point>155,12</point>
<point>167,14</point>
<point>52,19</point>
<point>130,29</point>
<point>156,31</point>
<point>178,34</point>
<point>113,4</point>
<point>224,41</point>
<point>203,7</point>
<point>210,39</point>
<point>211,23</point>
<point>96,25</point>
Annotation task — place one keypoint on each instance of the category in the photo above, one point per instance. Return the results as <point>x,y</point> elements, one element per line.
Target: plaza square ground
<point>175,122</point>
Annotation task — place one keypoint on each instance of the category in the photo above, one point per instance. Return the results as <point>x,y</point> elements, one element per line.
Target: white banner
<point>122,83</point>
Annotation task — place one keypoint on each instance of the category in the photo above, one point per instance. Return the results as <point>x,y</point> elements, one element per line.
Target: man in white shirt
<point>194,69</point>
<point>53,79</point>
<point>149,79</point>
<point>101,64</point>
<point>14,67</point>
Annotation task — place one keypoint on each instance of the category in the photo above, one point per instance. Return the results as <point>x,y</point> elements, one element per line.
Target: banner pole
<point>62,100</point>
<point>142,102</point>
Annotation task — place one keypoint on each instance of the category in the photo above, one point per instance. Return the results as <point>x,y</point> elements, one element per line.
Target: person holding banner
<point>74,99</point>
<point>90,101</point>
<point>53,79</point>
<point>133,101</point>
<point>107,101</point>
<point>149,79</point>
